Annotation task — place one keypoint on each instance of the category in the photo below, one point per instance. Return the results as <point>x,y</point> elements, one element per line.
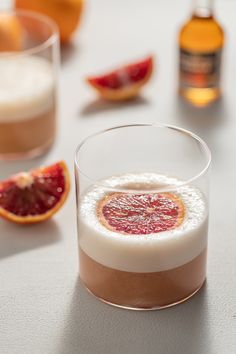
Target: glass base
<point>144,308</point>
<point>25,155</point>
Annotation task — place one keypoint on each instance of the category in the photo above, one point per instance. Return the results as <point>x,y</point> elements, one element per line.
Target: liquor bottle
<point>201,42</point>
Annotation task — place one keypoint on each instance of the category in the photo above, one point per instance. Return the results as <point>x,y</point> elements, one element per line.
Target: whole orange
<point>11,34</point>
<point>66,13</point>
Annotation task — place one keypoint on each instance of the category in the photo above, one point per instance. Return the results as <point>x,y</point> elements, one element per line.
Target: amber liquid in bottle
<point>201,41</point>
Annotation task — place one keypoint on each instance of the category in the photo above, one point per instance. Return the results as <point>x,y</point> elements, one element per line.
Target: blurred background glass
<point>29,59</point>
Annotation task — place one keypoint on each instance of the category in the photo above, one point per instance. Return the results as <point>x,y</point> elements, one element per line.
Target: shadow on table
<point>207,122</point>
<point>205,119</point>
<point>99,105</point>
<point>94,327</point>
<point>17,238</point>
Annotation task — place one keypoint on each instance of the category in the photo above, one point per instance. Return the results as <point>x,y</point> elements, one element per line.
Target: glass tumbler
<point>29,59</point>
<point>142,212</point>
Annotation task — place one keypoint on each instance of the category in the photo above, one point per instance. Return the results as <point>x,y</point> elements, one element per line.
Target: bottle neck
<point>203,8</point>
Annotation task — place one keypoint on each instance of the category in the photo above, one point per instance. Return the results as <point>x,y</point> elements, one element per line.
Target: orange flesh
<point>140,213</point>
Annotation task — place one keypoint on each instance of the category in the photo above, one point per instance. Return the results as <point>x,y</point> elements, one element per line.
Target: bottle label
<point>199,70</point>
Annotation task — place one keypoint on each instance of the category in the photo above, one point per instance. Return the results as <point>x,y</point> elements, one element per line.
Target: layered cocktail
<point>28,89</point>
<point>142,235</point>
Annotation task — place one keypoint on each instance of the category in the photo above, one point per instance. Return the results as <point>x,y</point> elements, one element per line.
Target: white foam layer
<point>26,88</point>
<point>143,253</point>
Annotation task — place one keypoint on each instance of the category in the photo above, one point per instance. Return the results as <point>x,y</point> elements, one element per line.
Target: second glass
<point>142,196</point>
<point>28,86</point>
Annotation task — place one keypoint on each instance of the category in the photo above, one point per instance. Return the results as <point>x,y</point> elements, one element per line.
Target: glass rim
<point>53,38</point>
<point>154,125</point>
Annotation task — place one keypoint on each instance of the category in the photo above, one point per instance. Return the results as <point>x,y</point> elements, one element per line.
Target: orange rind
<point>66,13</point>
<point>11,33</point>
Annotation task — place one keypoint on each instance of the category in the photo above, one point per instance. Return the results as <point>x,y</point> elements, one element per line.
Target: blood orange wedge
<point>31,197</point>
<point>140,213</point>
<point>124,82</point>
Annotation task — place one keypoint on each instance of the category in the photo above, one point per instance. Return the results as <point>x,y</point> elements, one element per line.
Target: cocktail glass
<point>28,87</point>
<point>142,212</point>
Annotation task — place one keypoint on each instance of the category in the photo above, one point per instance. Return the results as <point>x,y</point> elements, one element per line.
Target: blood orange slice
<point>140,213</point>
<point>31,197</point>
<point>124,82</point>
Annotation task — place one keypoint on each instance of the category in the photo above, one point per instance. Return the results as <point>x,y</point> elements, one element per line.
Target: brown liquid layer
<point>143,290</point>
<point>27,135</point>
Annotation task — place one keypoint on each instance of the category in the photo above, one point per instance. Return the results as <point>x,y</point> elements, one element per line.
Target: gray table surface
<point>43,307</point>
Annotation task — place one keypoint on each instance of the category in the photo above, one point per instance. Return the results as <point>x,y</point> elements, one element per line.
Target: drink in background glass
<point>201,42</point>
<point>142,210</point>
<point>28,88</point>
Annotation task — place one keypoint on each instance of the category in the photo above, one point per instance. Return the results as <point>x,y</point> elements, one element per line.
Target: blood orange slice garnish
<point>140,213</point>
<point>124,82</point>
<point>30,197</point>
